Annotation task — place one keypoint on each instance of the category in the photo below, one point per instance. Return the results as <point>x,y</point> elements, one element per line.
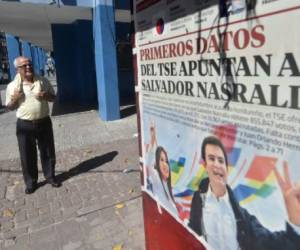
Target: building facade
<point>92,56</point>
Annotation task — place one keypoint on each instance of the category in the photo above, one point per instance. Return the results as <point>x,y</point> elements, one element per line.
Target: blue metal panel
<point>43,56</point>
<point>35,59</point>
<point>106,62</point>
<point>26,49</point>
<point>62,35</point>
<point>13,52</point>
<point>123,31</point>
<point>69,2</point>
<point>86,75</point>
<point>126,86</point>
<point>75,65</point>
<point>41,61</point>
<point>125,69</point>
<point>122,4</point>
<point>58,2</point>
<point>44,59</point>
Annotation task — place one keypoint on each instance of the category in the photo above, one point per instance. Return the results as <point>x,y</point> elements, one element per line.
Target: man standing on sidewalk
<point>30,94</point>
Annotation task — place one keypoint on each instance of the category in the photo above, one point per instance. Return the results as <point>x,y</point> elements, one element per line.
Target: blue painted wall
<point>122,4</point>
<point>61,2</point>
<point>26,50</point>
<point>125,69</point>
<point>86,3</point>
<point>41,61</point>
<point>35,59</point>
<point>123,31</point>
<point>13,52</point>
<point>63,46</point>
<point>43,56</point>
<point>86,62</point>
<point>69,2</point>
<point>106,60</point>
<point>75,64</point>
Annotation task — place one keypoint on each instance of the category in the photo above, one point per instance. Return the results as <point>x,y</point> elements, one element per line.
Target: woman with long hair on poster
<point>158,172</point>
<point>162,187</point>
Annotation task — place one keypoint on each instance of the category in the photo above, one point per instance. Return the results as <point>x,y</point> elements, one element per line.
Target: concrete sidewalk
<point>98,206</point>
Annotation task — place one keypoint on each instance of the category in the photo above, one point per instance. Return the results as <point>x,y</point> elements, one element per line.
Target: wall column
<point>106,60</point>
<point>13,52</point>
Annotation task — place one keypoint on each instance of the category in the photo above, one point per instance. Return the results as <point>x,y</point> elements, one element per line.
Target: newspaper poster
<point>220,99</point>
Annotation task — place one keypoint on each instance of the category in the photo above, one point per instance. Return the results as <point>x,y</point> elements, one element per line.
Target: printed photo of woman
<point>162,187</point>
<point>158,172</point>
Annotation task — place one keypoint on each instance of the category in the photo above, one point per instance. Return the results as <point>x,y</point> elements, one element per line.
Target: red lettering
<point>189,47</point>
<point>201,45</point>
<point>165,50</point>
<point>147,57</point>
<point>227,35</point>
<point>157,52</point>
<point>151,54</point>
<point>142,54</point>
<point>172,48</point>
<point>241,41</point>
<point>258,36</point>
<point>213,44</point>
<point>180,49</point>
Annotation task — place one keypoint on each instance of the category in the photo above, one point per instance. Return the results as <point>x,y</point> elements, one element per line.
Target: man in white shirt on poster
<point>216,214</point>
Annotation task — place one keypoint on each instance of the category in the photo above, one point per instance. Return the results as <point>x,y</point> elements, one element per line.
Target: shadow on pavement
<point>127,106</point>
<point>81,168</point>
<point>62,109</point>
<point>84,167</point>
<point>87,165</point>
<point>127,111</point>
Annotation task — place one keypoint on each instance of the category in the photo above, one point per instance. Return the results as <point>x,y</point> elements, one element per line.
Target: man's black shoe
<point>54,183</point>
<point>30,190</point>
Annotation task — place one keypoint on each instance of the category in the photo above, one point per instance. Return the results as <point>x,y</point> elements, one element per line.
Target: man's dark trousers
<point>31,134</point>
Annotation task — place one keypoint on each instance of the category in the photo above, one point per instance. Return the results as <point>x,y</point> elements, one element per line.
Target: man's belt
<point>35,121</point>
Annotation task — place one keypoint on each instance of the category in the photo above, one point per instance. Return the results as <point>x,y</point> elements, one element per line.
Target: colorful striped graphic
<point>259,180</point>
<point>177,169</point>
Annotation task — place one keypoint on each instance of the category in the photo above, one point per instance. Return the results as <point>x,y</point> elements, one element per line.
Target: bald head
<point>20,61</point>
<point>24,68</point>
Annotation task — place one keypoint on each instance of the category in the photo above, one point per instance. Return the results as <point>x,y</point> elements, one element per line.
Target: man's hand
<point>14,99</point>
<point>43,95</point>
<point>291,194</point>
<point>16,96</point>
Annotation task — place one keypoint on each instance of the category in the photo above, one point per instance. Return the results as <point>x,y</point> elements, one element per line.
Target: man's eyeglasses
<point>25,65</point>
